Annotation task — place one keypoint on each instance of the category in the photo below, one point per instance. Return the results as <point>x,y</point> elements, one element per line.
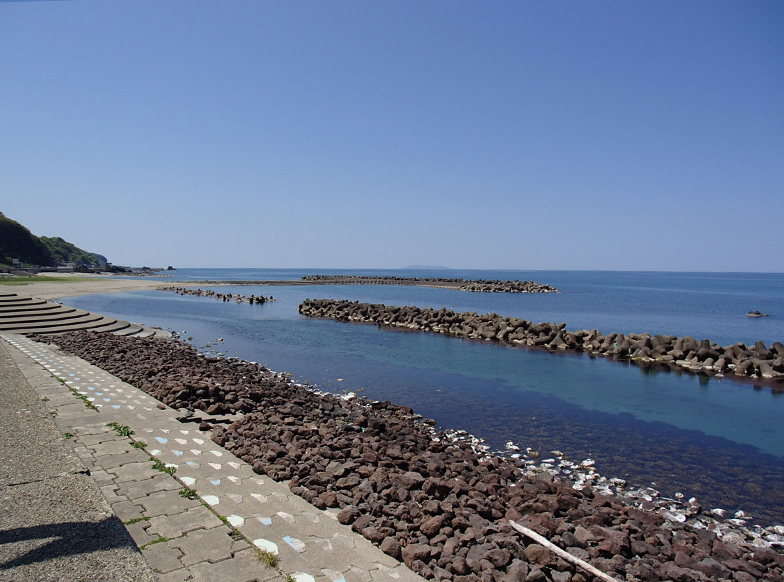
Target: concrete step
<point>146,332</point>
<point>106,323</point>
<point>81,321</point>
<point>52,315</point>
<point>11,297</point>
<point>53,309</point>
<point>119,326</point>
<point>96,323</point>
<point>132,329</point>
<point>30,308</point>
<point>21,303</point>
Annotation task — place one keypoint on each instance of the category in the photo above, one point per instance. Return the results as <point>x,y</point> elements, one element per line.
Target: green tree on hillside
<point>65,252</point>
<point>17,242</point>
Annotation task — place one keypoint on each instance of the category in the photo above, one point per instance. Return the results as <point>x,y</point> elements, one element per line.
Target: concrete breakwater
<point>699,356</point>
<point>432,499</point>
<point>476,285</point>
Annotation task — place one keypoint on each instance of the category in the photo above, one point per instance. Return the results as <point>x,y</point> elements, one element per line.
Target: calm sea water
<point>720,440</point>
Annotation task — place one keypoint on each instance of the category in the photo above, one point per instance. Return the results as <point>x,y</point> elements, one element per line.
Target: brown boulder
<point>414,552</point>
<point>537,554</point>
<point>432,526</point>
<point>391,547</point>
<point>348,516</point>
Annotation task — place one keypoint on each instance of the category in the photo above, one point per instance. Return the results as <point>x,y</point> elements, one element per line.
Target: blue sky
<point>515,135</point>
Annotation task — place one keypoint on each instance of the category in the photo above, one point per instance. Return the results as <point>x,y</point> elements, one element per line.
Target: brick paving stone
<point>175,525</point>
<point>162,558</point>
<point>243,567</point>
<point>355,574</point>
<point>157,483</point>
<point>108,462</point>
<point>126,510</point>
<point>139,533</point>
<point>101,477</point>
<point>114,447</point>
<point>94,439</point>
<point>84,453</point>
<point>212,545</point>
<point>181,575</point>
<point>166,503</point>
<point>110,493</point>
<point>134,471</point>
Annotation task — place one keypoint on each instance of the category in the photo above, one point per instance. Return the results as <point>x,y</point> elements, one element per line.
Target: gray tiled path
<point>184,539</point>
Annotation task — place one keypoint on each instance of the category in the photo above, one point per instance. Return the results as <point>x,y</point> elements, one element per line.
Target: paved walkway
<point>238,526</point>
<point>54,522</point>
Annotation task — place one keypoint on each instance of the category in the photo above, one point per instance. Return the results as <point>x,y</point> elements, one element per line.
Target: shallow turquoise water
<point>720,440</point>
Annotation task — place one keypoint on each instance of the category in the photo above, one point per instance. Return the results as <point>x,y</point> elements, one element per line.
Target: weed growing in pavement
<point>81,397</point>
<point>158,465</point>
<point>44,399</point>
<point>160,540</point>
<point>138,444</point>
<point>121,429</point>
<point>188,493</point>
<point>270,560</point>
<point>69,435</point>
<point>136,520</point>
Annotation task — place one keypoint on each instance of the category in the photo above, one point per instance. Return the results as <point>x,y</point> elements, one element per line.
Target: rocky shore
<point>433,499</point>
<point>475,285</point>
<point>698,356</point>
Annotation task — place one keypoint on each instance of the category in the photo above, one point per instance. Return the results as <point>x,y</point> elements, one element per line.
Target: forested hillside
<point>66,252</point>
<point>17,242</point>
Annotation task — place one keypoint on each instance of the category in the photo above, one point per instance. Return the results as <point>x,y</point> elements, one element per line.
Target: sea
<point>720,440</point>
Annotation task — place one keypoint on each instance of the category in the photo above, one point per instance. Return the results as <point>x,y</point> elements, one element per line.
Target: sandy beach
<point>73,284</point>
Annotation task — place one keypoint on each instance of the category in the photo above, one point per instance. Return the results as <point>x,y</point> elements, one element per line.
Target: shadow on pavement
<point>64,539</point>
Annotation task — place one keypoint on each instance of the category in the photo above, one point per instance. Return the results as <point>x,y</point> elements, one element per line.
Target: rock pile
<point>238,297</point>
<point>476,285</point>
<point>698,356</point>
<point>428,498</point>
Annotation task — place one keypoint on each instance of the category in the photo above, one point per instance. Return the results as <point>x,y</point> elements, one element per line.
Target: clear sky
<point>503,134</point>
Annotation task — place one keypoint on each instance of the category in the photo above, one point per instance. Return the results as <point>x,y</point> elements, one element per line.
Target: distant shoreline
<point>75,284</point>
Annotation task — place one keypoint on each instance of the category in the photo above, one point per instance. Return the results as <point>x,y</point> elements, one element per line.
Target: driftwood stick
<point>562,553</point>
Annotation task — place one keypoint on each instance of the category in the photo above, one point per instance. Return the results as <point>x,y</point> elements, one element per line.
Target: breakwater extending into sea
<point>457,283</point>
<point>699,356</point>
<point>432,498</point>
